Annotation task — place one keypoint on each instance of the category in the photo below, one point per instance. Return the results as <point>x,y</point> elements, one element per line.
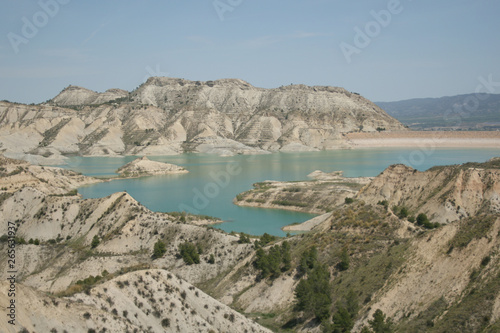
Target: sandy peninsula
<point>143,166</point>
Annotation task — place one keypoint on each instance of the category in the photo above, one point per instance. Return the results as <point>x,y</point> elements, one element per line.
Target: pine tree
<point>381,324</point>
<point>313,296</point>
<point>342,320</point>
<point>344,260</point>
<point>95,242</point>
<point>286,256</point>
<point>189,252</point>
<point>159,249</point>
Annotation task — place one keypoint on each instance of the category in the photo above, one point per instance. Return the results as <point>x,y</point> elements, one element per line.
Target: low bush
<point>189,253</point>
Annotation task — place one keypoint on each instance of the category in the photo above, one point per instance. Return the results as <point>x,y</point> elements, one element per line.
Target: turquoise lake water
<point>213,181</point>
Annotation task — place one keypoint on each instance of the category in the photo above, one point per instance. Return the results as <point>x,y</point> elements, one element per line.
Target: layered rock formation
<point>444,193</point>
<point>318,196</point>
<point>170,116</point>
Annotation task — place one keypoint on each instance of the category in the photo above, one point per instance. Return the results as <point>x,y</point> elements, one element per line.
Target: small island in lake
<point>143,166</point>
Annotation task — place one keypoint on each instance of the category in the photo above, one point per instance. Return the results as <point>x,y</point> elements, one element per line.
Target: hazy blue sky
<point>422,49</point>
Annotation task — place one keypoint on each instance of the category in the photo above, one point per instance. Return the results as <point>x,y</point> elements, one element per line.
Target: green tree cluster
<point>381,324</point>
<point>271,263</point>
<point>423,221</point>
<point>308,260</point>
<point>343,318</point>
<point>189,252</point>
<point>35,241</point>
<point>244,238</point>
<point>400,211</point>
<point>264,239</point>
<point>312,293</point>
<point>384,203</point>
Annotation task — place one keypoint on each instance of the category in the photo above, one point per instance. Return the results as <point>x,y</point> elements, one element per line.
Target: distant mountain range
<point>461,112</point>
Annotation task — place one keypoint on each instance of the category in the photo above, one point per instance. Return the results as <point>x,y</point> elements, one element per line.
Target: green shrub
<point>289,203</point>
<point>403,212</point>
<point>384,203</point>
<point>159,249</point>
<point>348,200</point>
<point>308,260</point>
<point>381,324</point>
<point>95,242</point>
<point>273,262</point>
<point>165,322</point>
<point>244,238</point>
<point>422,219</point>
<point>472,228</point>
<point>344,260</point>
<point>342,320</point>
<point>400,211</point>
<point>189,253</point>
<point>211,260</point>
<point>485,261</point>
<point>264,240</point>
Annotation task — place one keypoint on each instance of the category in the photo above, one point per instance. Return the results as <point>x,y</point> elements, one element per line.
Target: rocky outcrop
<point>145,167</point>
<point>74,96</point>
<point>321,195</point>
<point>169,116</point>
<point>17,175</point>
<point>444,193</point>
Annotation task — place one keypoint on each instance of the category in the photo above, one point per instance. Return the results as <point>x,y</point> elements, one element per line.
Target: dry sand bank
<point>479,139</point>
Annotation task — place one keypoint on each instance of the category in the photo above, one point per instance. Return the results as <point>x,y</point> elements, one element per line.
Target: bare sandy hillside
<point>141,301</point>
<point>111,263</point>
<point>167,116</point>
<point>96,255</point>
